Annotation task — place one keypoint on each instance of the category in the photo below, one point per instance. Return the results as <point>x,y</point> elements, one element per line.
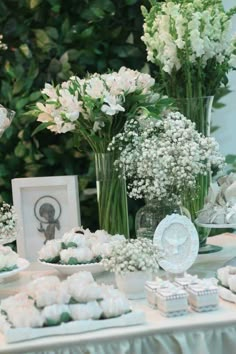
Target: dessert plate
<point>21,265</point>
<point>67,269</point>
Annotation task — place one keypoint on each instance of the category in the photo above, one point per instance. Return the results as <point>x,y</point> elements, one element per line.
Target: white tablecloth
<point>207,333</point>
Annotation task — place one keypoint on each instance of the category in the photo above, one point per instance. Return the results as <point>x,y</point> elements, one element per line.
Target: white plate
<point>19,334</point>
<point>94,268</point>
<point>21,264</point>
<point>216,226</point>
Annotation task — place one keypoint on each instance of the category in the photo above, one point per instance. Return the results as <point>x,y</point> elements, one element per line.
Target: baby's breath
<point>162,159</point>
<point>7,222</point>
<point>131,256</point>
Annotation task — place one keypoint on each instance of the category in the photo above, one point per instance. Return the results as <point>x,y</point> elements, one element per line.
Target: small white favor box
<point>186,280</point>
<point>172,302</point>
<point>203,297</point>
<point>151,288</point>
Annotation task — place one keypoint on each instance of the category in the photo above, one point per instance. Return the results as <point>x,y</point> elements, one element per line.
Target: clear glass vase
<point>111,195</point>
<point>198,110</point>
<point>150,215</point>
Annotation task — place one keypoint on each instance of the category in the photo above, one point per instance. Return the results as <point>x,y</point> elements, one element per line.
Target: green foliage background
<point>49,40</point>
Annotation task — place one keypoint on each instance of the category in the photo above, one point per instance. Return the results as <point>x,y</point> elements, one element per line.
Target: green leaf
<point>34,3</point>
<point>130,2</point>
<point>41,127</point>
<point>25,51</point>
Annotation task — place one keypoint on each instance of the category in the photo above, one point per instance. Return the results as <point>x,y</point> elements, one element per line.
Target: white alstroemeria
<point>50,91</point>
<point>111,105</point>
<point>70,104</point>
<point>95,88</point>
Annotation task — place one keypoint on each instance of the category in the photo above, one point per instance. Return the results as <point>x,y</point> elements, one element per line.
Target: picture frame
<point>46,208</point>
<point>177,237</point>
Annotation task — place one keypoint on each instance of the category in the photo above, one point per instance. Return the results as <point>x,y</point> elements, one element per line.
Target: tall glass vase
<point>111,195</point>
<point>198,110</point>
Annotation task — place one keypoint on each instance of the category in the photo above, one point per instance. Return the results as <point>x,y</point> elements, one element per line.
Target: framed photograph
<point>46,208</point>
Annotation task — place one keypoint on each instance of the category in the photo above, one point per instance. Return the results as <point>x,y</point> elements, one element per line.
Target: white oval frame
<point>190,240</point>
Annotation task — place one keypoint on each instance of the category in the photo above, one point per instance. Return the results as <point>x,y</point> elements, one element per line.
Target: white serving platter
<point>21,265</point>
<point>216,226</point>
<point>22,334</point>
<point>94,268</point>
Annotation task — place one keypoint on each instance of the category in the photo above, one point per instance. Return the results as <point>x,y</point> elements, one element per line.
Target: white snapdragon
<point>133,255</point>
<point>162,159</point>
<point>199,32</point>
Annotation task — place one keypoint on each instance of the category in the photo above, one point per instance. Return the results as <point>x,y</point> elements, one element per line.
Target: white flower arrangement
<point>96,107</point>
<point>163,158</point>
<point>190,42</point>
<point>134,255</point>
<point>8,220</point>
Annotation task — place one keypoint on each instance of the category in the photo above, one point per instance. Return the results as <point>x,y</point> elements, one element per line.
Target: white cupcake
<point>47,291</point>
<point>101,249</point>
<point>114,306</point>
<point>18,300</point>
<point>50,250</point>
<point>84,292</point>
<point>81,277</point>
<point>25,316</point>
<point>89,311</point>
<point>56,314</point>
<point>8,258</point>
<point>102,236</point>
<point>81,255</point>
<point>72,238</point>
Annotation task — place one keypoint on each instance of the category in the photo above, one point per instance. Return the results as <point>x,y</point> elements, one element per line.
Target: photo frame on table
<point>178,239</point>
<point>46,208</point>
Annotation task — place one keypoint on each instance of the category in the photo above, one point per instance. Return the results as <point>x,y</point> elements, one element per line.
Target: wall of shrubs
<point>49,40</point>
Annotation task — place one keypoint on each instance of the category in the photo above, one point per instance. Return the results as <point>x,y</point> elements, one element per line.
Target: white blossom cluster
<point>90,104</point>
<point>134,255</point>
<point>7,222</point>
<point>162,159</point>
<point>177,33</point>
<point>3,46</point>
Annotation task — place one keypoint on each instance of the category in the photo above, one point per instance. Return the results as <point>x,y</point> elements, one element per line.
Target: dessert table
<point>195,333</point>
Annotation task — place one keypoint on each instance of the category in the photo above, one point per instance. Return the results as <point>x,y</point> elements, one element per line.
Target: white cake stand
<point>213,248</point>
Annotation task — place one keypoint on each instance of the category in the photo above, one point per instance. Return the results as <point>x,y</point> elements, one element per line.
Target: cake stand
<point>213,248</point>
